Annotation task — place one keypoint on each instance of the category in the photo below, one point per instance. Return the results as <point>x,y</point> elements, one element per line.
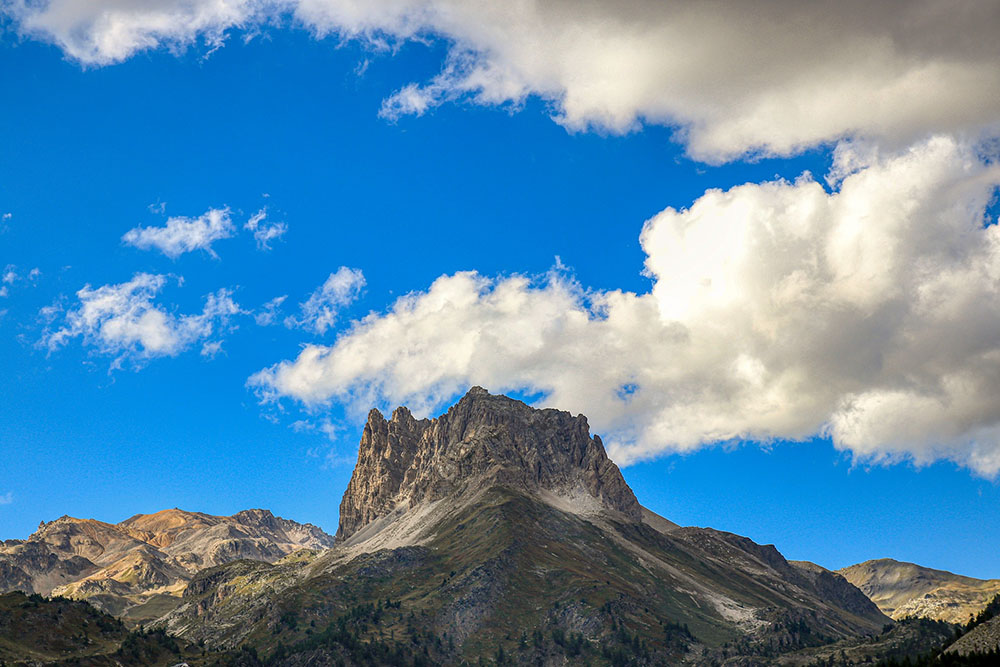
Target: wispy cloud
<point>180,235</point>
<point>124,321</point>
<point>331,456</point>
<point>7,498</point>
<point>319,312</point>
<point>270,311</point>
<point>263,232</point>
<point>10,276</point>
<point>210,349</point>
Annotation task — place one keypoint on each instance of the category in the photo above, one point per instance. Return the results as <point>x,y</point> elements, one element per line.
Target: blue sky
<point>729,409</point>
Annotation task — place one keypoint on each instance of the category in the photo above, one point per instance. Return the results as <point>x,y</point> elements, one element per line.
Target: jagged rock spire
<point>483,440</point>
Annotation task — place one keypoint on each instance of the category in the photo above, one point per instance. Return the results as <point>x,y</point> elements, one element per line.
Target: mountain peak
<point>483,440</point>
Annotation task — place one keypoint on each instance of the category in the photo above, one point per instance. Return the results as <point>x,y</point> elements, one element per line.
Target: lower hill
<point>36,629</point>
<point>905,589</point>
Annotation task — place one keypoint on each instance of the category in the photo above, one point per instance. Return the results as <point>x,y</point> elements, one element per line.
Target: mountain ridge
<point>145,558</point>
<point>902,589</point>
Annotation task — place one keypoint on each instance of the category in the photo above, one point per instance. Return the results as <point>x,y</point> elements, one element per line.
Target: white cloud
<point>10,275</point>
<point>7,498</point>
<point>211,348</point>
<point>124,320</point>
<point>101,32</point>
<point>181,235</point>
<point>263,233</point>
<point>320,311</point>
<point>778,310</point>
<point>770,77</point>
<point>324,426</point>
<point>270,311</point>
<point>49,314</point>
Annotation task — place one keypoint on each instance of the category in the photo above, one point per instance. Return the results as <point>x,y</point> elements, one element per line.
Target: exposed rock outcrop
<point>481,441</point>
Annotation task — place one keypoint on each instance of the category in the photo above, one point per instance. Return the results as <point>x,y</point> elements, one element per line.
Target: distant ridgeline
<point>493,534</point>
<point>138,569</point>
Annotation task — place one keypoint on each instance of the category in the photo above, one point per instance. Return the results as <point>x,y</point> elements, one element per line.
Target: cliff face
<point>483,440</point>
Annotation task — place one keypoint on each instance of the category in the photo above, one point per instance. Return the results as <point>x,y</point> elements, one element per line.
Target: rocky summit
<point>482,441</point>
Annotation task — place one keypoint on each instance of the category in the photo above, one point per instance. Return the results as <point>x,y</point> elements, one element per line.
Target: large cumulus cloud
<point>734,77</point>
<point>778,310</point>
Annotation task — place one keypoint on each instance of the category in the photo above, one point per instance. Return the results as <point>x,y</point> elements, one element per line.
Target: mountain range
<point>138,568</point>
<point>495,531</point>
<point>496,523</point>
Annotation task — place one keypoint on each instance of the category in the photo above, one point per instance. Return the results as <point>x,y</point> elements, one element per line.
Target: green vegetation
<point>937,657</point>
<point>36,628</point>
<point>58,631</point>
<point>148,648</point>
<point>989,611</point>
<point>506,580</point>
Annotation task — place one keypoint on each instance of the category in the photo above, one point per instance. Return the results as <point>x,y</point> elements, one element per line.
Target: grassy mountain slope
<point>509,573</point>
<point>905,589</point>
